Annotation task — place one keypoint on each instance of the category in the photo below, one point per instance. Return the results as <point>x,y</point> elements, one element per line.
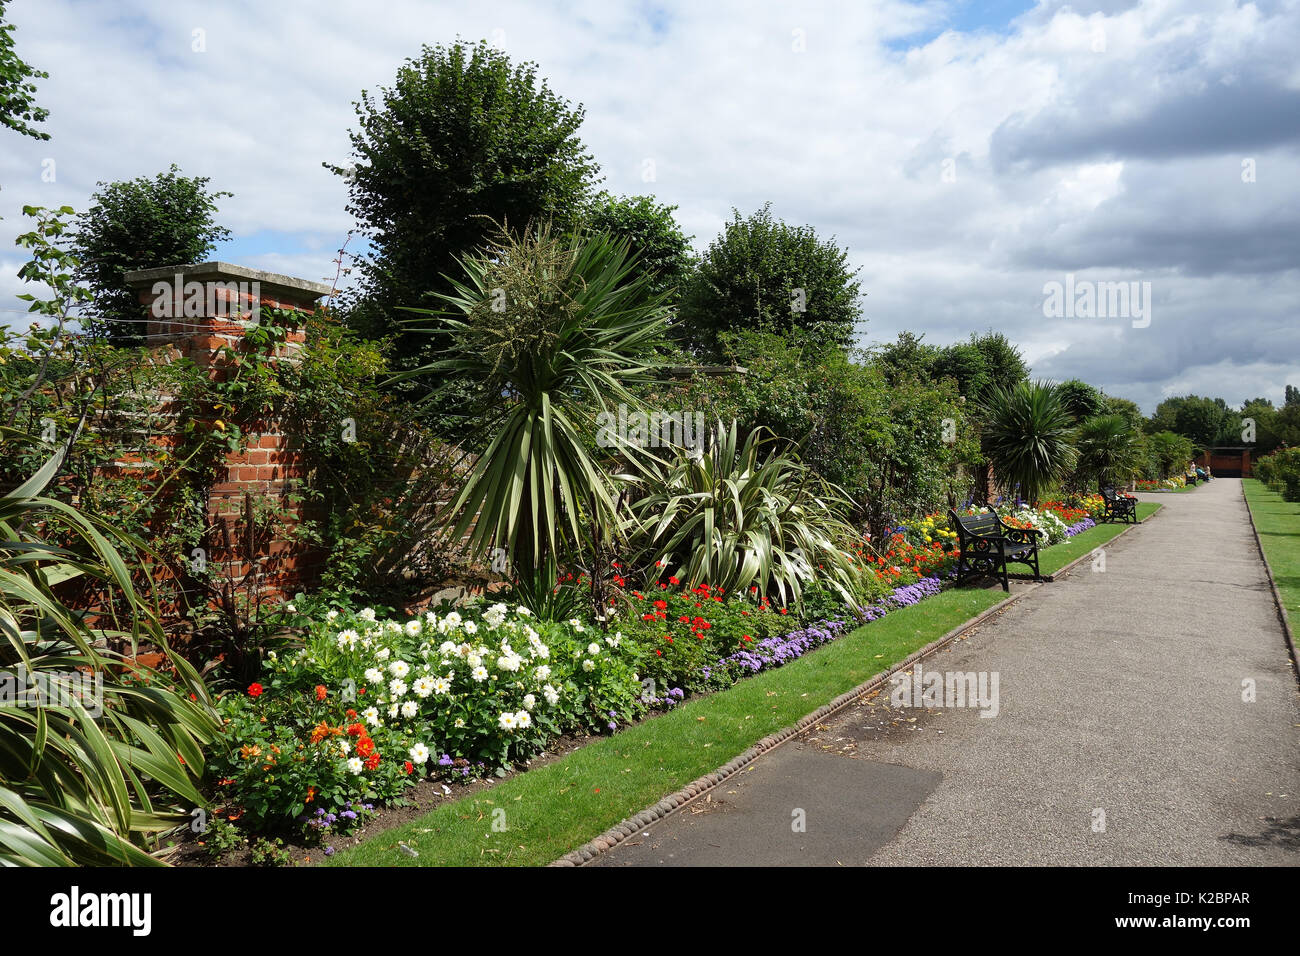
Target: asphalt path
<point>1146,713</point>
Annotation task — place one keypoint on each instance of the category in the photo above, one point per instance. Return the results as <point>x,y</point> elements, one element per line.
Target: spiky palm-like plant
<point>85,778</point>
<point>551,330</point>
<point>1028,436</point>
<point>741,515</point>
<point>1109,451</point>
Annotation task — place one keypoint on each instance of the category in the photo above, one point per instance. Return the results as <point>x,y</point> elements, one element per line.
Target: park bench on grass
<point>1191,478</point>
<point>1119,507</point>
<point>987,544</point>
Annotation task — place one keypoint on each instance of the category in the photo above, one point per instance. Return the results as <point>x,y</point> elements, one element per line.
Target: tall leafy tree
<point>1206,421</point>
<point>138,224</point>
<point>1005,365</point>
<point>18,109</point>
<point>464,143</point>
<point>907,357</point>
<point>763,274</point>
<point>653,237</point>
<point>1082,400</point>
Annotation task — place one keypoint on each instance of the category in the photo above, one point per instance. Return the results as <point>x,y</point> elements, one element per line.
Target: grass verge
<point>550,810</point>
<point>1051,560</point>
<point>1278,524</point>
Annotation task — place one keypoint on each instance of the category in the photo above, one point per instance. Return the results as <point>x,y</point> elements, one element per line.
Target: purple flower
<point>444,760</point>
<point>329,851</point>
<point>612,726</point>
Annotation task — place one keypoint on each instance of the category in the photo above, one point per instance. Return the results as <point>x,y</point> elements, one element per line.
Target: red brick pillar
<point>197,311</point>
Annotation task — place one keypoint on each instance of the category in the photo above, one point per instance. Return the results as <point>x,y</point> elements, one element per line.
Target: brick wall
<point>196,311</point>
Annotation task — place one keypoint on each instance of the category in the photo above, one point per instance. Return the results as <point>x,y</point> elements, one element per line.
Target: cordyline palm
<point>1108,449</point>
<point>77,786</point>
<point>551,329</point>
<point>1028,437</point>
<point>739,516</point>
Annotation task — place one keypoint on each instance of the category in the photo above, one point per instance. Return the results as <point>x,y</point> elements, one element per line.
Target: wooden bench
<point>988,544</point>
<point>1191,479</point>
<point>1119,507</point>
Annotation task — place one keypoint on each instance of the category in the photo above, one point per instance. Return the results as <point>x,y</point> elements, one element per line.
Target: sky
<point>981,163</point>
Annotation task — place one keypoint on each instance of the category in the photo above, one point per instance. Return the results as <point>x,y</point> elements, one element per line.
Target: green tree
<point>1006,366</point>
<point>1206,421</point>
<point>1028,437</point>
<point>965,364</point>
<point>763,274</point>
<point>1168,453</point>
<point>653,236</point>
<point>138,224</point>
<point>463,144</point>
<point>18,109</point>
<point>1112,405</point>
<point>1081,400</point>
<point>904,358</point>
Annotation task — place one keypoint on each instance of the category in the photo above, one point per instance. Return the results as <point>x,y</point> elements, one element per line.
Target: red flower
<point>372,762</point>
<point>351,712</point>
<point>355,730</point>
<point>320,692</point>
<point>661,604</point>
<point>254,690</point>
<point>672,580</point>
<point>746,638</point>
<point>408,766</point>
<point>658,653</point>
<point>365,747</point>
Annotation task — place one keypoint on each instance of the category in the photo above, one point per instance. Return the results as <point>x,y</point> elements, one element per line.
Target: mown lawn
<point>1278,524</point>
<point>1051,560</point>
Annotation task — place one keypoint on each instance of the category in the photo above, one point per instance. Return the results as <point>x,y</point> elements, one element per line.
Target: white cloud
<point>1124,161</point>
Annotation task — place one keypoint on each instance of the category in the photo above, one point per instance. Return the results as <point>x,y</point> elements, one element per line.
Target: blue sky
<point>967,155</point>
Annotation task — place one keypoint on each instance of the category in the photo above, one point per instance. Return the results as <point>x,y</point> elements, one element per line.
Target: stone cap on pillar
<point>194,298</point>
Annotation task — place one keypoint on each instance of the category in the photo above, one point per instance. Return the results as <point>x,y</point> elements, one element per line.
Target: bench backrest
<point>1109,494</point>
<point>972,525</point>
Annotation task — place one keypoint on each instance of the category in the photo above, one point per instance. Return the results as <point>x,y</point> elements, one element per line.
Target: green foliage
<point>741,515</point>
<point>270,853</point>
<point>1109,451</point>
<point>1205,421</point>
<point>653,237</point>
<point>1280,471</point>
<point>463,144</point>
<point>882,440</point>
<point>340,722</point>
<point>139,224</point>
<point>1028,438</point>
<point>548,331</point>
<point>763,274</point>
<point>1129,410</point>
<point>80,787</point>
<point>18,109</point>
<point>1168,454</point>
<point>1081,400</point>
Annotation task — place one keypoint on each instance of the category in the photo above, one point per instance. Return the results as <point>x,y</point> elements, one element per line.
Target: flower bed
<point>369,706</point>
